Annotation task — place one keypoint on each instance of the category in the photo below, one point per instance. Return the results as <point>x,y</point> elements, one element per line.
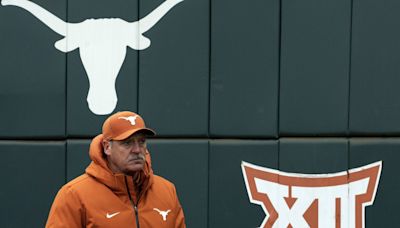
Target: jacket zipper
<point>134,205</point>
<point>137,215</point>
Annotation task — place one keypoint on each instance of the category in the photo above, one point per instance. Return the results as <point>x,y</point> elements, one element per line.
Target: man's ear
<point>106,147</point>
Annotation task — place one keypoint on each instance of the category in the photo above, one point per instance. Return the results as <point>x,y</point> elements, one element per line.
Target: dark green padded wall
<point>375,69</point>
<point>314,67</point>
<point>244,68</point>
<point>185,163</point>
<point>229,204</point>
<point>32,75</point>
<point>363,151</point>
<point>81,122</point>
<point>173,71</point>
<point>326,155</point>
<point>32,173</point>
<point>77,157</point>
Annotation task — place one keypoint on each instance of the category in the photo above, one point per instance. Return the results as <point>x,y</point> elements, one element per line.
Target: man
<point>119,188</point>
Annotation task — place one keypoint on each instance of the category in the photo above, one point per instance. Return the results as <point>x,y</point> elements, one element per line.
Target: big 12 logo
<point>312,200</point>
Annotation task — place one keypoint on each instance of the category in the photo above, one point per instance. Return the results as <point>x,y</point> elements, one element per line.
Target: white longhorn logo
<point>131,119</point>
<point>102,46</point>
<point>162,213</point>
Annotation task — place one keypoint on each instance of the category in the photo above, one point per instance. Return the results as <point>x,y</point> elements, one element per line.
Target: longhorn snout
<point>102,97</point>
<point>102,107</point>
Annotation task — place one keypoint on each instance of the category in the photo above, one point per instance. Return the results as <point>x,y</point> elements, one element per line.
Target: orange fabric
<point>123,124</point>
<point>100,198</point>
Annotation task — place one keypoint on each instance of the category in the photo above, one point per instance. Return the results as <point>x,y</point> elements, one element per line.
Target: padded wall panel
<point>173,71</point>
<point>229,204</point>
<point>375,68</point>
<point>383,212</point>
<point>82,121</point>
<point>244,68</point>
<point>77,157</point>
<point>314,156</point>
<point>185,164</point>
<point>32,74</point>
<point>314,67</point>
<point>324,155</point>
<point>32,173</point>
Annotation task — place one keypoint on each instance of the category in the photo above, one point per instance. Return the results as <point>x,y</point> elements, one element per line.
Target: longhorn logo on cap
<point>131,119</point>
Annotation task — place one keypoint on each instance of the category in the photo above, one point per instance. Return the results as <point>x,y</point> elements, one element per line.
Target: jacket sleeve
<point>180,217</point>
<point>66,211</point>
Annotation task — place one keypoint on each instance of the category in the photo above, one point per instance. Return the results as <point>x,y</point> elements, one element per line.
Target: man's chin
<point>137,166</point>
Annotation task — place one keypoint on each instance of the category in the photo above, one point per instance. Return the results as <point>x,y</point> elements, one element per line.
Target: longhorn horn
<point>152,18</point>
<point>56,24</point>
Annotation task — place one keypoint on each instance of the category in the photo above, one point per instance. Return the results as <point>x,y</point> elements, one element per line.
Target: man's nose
<point>135,147</point>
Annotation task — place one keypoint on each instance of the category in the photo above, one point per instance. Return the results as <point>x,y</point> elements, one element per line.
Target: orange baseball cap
<point>121,125</point>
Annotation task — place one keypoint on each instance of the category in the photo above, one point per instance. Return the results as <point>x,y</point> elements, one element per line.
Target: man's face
<point>126,156</point>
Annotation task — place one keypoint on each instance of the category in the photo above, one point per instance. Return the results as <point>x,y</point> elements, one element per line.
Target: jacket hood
<point>99,170</point>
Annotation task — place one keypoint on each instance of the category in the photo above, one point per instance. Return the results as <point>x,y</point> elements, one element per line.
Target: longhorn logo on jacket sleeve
<point>102,46</point>
<point>312,200</point>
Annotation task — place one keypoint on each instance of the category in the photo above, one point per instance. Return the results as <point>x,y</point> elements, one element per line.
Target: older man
<point>119,188</point>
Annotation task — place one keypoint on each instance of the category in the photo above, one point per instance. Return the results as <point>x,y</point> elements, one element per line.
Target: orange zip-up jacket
<point>100,198</point>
